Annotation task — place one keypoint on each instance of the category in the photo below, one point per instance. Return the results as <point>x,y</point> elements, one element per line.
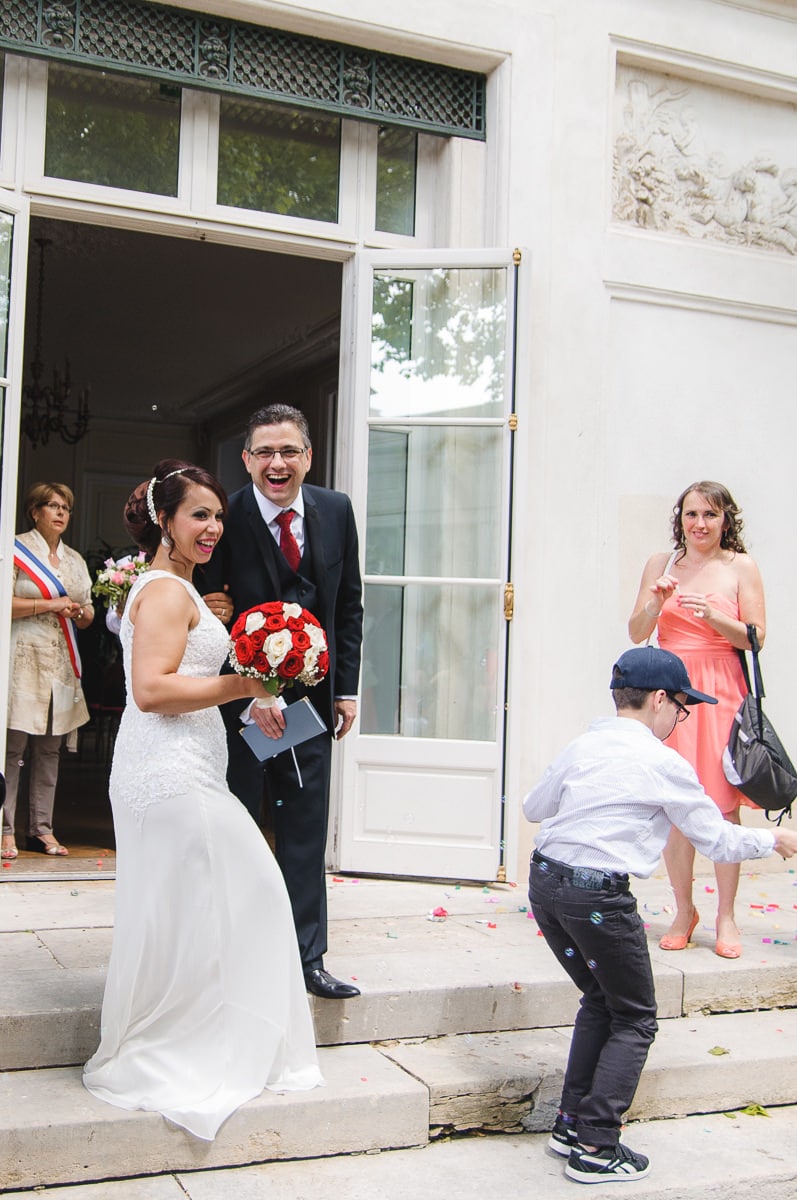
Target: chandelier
<point>47,408</point>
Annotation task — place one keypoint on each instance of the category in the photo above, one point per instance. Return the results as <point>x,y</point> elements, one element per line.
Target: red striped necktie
<point>288,544</point>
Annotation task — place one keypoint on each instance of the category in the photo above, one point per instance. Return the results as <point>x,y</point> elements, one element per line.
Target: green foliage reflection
<point>120,132</point>
<point>278,159</point>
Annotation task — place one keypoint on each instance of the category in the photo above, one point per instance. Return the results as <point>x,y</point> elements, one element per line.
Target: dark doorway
<point>179,339</point>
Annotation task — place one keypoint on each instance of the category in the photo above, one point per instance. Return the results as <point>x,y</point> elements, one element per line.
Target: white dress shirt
<point>610,798</point>
<point>269,511</point>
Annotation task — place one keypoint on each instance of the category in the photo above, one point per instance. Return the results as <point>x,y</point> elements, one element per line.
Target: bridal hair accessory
<point>153,516</point>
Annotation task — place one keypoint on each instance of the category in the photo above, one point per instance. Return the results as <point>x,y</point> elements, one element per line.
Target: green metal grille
<point>200,51</point>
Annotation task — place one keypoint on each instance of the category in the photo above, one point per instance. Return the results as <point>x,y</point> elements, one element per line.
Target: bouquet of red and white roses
<point>279,643</point>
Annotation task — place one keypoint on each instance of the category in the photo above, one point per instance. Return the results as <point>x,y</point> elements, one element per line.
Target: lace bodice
<point>157,756</point>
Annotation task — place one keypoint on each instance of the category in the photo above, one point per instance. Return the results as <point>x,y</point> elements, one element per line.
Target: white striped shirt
<point>611,797</point>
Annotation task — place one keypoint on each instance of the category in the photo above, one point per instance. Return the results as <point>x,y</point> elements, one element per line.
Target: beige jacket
<point>41,669</point>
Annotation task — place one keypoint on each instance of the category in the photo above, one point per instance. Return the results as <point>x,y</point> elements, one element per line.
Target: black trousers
<point>598,937</point>
<point>300,815</point>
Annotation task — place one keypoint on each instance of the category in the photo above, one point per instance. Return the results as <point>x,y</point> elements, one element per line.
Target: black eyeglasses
<point>288,454</point>
<point>683,711</point>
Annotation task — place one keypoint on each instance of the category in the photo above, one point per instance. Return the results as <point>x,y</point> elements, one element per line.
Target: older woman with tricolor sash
<point>51,600</point>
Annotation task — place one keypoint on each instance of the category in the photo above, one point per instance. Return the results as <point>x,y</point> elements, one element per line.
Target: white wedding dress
<point>205,1003</point>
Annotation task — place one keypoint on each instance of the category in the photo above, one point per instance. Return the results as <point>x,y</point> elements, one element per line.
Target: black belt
<point>589,878</point>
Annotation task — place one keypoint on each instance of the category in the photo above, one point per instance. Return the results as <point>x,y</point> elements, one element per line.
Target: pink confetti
<point>440,912</point>
<point>710,890</point>
<point>491,925</point>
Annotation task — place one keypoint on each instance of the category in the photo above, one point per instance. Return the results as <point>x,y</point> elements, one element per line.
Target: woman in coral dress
<point>205,1003</point>
<point>700,600</point>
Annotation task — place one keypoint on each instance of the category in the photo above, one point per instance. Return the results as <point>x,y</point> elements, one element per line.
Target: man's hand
<point>345,712</point>
<point>268,718</point>
<point>220,604</point>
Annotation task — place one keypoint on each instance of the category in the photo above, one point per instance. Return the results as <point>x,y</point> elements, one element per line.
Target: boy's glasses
<point>682,711</point>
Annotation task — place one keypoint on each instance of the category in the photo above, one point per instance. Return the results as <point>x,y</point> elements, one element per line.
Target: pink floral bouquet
<point>279,643</point>
<point>117,577</point>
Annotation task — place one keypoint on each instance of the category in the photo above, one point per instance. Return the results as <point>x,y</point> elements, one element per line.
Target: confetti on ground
<point>755,1110</point>
<point>710,890</point>
<point>491,925</point>
<point>517,987</point>
<point>391,934</point>
<point>717,1050</point>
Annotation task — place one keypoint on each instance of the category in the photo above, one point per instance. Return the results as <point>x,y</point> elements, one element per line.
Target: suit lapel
<point>262,539</point>
<point>315,548</point>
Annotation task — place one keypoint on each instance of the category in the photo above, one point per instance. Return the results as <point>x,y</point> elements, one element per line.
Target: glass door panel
<point>434,396</point>
<point>13,266</point>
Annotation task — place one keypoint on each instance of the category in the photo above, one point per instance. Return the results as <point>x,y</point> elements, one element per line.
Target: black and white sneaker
<point>563,1138</point>
<point>603,1166</point>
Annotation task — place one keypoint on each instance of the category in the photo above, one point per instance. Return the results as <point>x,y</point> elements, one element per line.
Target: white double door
<point>425,449</point>
<point>431,436</point>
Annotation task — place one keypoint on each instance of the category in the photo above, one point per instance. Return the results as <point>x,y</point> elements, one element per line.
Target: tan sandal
<point>52,848</point>
<point>9,851</point>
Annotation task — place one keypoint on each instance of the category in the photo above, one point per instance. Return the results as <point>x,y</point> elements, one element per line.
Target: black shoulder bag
<point>754,760</point>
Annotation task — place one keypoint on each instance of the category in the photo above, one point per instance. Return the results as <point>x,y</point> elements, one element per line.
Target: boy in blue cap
<point>606,806</point>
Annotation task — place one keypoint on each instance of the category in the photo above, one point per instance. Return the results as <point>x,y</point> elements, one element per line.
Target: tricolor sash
<point>50,587</point>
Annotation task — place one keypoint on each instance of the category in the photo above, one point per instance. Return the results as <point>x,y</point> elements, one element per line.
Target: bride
<point>205,1003</point>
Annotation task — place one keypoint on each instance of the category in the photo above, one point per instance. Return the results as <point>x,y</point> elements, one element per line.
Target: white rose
<point>317,638</point>
<point>311,658</point>
<point>291,610</point>
<point>277,645</point>
<point>254,621</point>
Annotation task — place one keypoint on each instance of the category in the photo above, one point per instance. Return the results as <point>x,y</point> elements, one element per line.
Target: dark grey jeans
<point>597,935</point>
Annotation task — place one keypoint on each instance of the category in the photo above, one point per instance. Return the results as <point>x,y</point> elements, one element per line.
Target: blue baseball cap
<point>651,669</point>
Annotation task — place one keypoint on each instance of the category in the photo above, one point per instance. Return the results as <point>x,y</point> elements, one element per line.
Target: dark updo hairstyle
<point>172,477</point>
<point>719,498</point>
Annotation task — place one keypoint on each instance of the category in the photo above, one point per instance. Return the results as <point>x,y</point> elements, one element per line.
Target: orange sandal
<point>672,942</point>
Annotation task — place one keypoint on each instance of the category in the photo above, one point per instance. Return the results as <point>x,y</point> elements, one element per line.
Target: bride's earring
<point>166,541</point>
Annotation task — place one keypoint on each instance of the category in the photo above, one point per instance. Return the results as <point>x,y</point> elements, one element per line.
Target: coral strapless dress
<point>713,666</point>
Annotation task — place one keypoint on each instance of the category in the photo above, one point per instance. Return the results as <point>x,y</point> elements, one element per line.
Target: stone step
<point>692,1158</point>
<point>54,1132</point>
<point>391,1095</point>
<point>461,982</point>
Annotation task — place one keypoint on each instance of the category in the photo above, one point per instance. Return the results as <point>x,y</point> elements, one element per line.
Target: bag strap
<point>757,688</point>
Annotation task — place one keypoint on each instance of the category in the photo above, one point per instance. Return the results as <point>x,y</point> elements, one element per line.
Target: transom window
<point>112,129</point>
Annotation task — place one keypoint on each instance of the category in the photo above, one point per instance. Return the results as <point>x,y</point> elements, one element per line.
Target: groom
<point>288,540</point>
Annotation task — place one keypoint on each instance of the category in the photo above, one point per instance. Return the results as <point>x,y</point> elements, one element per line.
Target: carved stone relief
<point>704,162</point>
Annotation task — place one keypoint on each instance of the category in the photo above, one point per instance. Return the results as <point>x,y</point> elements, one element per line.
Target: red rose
<point>273,606</point>
<point>295,624</point>
<point>309,619</point>
<point>260,663</point>
<point>244,650</point>
<point>291,665</point>
<point>301,640</point>
<point>274,623</point>
<point>258,638</point>
<point>238,627</point>
<point>322,664</point>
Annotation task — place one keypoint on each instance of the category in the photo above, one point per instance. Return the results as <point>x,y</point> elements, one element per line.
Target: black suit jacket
<point>245,561</point>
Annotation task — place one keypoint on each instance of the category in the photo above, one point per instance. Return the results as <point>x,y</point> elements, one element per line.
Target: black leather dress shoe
<point>321,983</point>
